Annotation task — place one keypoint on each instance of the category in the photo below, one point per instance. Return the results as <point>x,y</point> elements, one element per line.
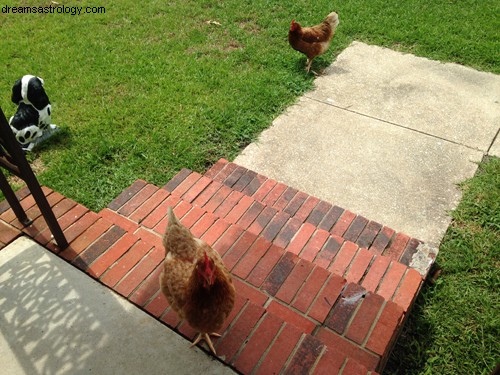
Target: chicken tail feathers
<point>177,238</point>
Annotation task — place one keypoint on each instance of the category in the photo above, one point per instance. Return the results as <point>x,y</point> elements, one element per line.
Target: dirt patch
<point>37,166</point>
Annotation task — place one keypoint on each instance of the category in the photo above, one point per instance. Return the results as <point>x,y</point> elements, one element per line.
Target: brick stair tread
<point>283,277</point>
<point>355,228</point>
<point>255,334</point>
<point>302,229</point>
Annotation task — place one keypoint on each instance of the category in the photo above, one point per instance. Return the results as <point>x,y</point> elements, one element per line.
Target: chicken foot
<point>206,337</point>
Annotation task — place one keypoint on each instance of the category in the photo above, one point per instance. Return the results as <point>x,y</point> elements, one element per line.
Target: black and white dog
<point>33,113</point>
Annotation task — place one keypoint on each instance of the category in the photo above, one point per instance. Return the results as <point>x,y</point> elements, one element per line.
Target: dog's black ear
<point>16,92</point>
<point>36,94</point>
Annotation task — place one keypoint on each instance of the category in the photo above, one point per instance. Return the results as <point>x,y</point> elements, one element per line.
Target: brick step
<point>367,234</point>
<point>301,293</point>
<point>260,336</point>
<point>142,209</point>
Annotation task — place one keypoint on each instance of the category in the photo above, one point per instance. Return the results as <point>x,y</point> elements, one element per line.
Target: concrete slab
<point>449,101</point>
<point>495,147</point>
<point>401,178</point>
<point>56,320</point>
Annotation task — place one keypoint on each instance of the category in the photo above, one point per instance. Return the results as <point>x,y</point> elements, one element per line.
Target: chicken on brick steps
<point>195,281</point>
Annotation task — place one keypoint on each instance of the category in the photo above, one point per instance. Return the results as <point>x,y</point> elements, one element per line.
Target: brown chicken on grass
<point>313,41</point>
<point>195,282</point>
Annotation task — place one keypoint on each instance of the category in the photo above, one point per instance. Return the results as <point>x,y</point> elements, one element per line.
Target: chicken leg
<point>206,337</point>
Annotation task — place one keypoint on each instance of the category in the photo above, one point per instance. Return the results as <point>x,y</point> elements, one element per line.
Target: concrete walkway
<point>54,319</point>
<point>386,135</point>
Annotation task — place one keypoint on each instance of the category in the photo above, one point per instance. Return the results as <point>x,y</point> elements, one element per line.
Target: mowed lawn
<point>147,88</point>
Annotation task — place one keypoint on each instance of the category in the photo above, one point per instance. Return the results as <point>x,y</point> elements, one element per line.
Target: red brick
<point>306,208</point>
<point>359,266</point>
<point>391,280</point>
<point>152,220</point>
<point>148,288</point>
<point>397,247</point>
<point>409,251</point>
<point>180,210</point>
<point>234,176</point>
<point>232,341</point>
<point>314,245</point>
<point>326,298</point>
<point>304,358</point>
<point>265,266</point>
<point>375,273</point>
<point>344,308</point>
<point>150,237</point>
<point>354,368</point>
<point>285,198</point>
<point>289,230</point>
<point>119,220</point>
<point>126,195</point>
<point>279,274</point>
<point>8,233</point>
<point>238,250</point>
<point>275,225</point>
<point>343,258</point>
<point>294,281</point>
<point>299,241</point>
<point>214,232</point>
<point>196,189</point>
<point>280,350</point>
<point>249,292</point>
<point>331,218</point>
<point>290,316</point>
<point>262,220</point>
<point>251,258</point>
<point>215,201</point>
<point>346,347</point>
<point>358,224</point>
<point>116,272</point>
<point>72,216</point>
<point>368,234</point>
<point>296,202</point>
<point>408,289</point>
<point>91,253</point>
<point>329,251</point>
<point>385,329</point>
<point>169,316</point>
<point>318,213</point>
<point>186,184</point>
<point>137,200</point>
<point>330,362</point>
<point>343,223</point>
<point>250,215</point>
<point>365,317</point>
<point>225,172</point>
<point>382,240</point>
<point>259,342</point>
<point>192,217</point>
<point>206,194</point>
<point>310,289</point>
<point>237,212</point>
<point>149,206</point>
<point>216,168</point>
<point>227,240</point>
<point>228,204</point>
<point>254,185</point>
<point>239,304</point>
<point>85,239</point>
<point>145,266</point>
<point>244,180</point>
<point>205,222</point>
<point>177,179</point>
<point>112,254</point>
<point>157,305</point>
<point>264,190</point>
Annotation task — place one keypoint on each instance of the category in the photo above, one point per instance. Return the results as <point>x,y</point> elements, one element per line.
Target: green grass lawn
<point>150,87</point>
<point>454,327</point>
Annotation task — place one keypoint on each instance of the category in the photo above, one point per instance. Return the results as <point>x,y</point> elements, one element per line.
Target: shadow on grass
<point>409,354</point>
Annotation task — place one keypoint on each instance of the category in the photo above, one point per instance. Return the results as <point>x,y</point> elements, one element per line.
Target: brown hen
<point>195,281</point>
<point>313,41</point>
